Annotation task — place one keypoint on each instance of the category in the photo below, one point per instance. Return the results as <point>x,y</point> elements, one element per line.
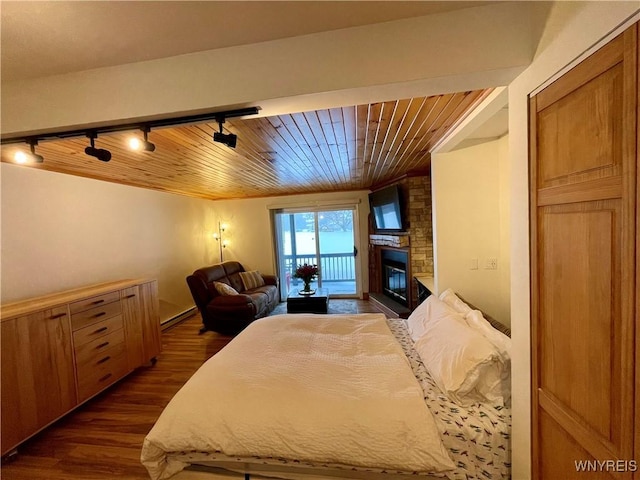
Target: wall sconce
<point>222,243</point>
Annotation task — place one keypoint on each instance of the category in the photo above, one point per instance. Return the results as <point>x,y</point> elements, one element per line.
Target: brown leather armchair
<point>229,314</point>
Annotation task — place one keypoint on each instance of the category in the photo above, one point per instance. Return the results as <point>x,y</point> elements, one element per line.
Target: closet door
<point>583,234</point>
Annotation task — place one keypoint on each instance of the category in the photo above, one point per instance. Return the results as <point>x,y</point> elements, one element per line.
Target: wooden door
<point>38,380</point>
<point>583,224</point>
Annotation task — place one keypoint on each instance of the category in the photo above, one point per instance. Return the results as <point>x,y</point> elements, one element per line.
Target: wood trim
<point>533,282</point>
<point>636,475</point>
<point>602,188</point>
<point>22,307</point>
<point>629,232</point>
<point>423,172</point>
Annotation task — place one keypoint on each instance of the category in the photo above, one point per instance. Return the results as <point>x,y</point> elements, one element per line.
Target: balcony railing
<point>334,267</point>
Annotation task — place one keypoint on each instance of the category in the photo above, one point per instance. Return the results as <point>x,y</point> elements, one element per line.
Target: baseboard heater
<point>170,322</point>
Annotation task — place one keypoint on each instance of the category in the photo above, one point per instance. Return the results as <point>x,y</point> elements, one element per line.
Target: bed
<point>314,397</point>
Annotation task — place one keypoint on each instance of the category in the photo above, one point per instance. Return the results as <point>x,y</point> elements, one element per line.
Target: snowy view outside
<point>336,242</point>
<point>330,242</point>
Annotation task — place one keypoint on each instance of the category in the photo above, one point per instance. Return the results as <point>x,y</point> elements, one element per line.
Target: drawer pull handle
<point>101,314</point>
<point>102,360</point>
<point>97,302</point>
<point>101,329</point>
<point>58,315</point>
<point>102,379</point>
<point>102,345</point>
<point>131,296</point>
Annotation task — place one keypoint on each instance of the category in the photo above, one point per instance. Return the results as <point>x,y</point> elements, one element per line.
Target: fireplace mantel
<point>389,240</point>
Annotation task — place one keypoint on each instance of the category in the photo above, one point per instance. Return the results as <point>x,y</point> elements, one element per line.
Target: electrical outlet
<point>492,264</point>
<point>473,264</point>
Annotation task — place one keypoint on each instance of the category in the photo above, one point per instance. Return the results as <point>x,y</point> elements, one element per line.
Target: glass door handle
<point>355,251</point>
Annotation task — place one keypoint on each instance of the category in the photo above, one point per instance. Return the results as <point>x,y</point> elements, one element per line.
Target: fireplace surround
<point>395,282</point>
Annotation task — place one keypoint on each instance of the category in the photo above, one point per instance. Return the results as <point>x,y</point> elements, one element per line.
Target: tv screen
<point>386,209</point>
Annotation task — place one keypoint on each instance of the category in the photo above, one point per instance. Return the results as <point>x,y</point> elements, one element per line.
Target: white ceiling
<point>42,38</point>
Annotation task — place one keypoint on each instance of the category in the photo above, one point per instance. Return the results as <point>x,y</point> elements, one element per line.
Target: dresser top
<point>37,304</point>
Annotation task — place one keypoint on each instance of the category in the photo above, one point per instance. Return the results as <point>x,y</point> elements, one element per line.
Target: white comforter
<point>319,388</point>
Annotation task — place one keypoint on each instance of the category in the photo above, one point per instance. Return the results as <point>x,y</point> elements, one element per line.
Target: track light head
<point>146,145</point>
<point>100,153</point>
<point>31,157</point>
<point>229,139</point>
<point>137,144</point>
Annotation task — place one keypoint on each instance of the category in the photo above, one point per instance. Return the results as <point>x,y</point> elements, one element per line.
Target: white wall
<point>61,231</point>
<point>470,221</point>
<point>251,238</point>
<point>571,29</point>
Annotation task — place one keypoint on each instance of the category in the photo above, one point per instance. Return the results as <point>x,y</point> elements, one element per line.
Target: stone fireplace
<point>395,292</point>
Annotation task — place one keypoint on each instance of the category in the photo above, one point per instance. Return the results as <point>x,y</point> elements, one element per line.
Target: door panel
<point>580,293</point>
<point>560,447</point>
<point>38,380</point>
<point>580,133</point>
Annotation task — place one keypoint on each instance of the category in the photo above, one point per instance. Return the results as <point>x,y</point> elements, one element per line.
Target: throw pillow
<point>251,279</point>
<point>224,289</point>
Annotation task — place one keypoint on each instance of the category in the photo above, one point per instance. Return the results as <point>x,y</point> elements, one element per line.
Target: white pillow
<point>476,321</point>
<point>465,365</point>
<point>431,309</point>
<point>451,299</point>
<point>480,324</point>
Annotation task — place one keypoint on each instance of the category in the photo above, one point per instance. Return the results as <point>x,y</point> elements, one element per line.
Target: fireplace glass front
<point>394,275</point>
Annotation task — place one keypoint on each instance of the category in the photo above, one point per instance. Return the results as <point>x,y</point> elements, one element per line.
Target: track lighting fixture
<point>100,153</point>
<point>137,144</point>
<point>226,139</point>
<point>103,155</point>
<point>32,157</point>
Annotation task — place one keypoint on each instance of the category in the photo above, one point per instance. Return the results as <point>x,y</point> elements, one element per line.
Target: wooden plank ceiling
<point>348,148</point>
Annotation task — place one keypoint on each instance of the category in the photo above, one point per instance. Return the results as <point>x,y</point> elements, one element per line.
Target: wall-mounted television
<point>387,210</point>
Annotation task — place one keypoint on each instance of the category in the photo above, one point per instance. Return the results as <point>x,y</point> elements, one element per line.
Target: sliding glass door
<point>326,238</point>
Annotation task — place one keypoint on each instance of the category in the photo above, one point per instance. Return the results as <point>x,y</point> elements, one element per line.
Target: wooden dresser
<point>62,349</point>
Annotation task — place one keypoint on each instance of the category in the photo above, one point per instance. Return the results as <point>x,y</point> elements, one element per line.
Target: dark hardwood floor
<point>102,439</point>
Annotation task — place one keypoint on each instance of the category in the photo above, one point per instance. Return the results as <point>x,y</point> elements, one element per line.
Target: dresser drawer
<point>87,303</point>
<point>101,371</point>
<point>86,351</point>
<point>95,314</point>
<point>97,330</point>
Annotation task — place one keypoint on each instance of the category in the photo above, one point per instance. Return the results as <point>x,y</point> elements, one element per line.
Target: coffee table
<point>316,303</point>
